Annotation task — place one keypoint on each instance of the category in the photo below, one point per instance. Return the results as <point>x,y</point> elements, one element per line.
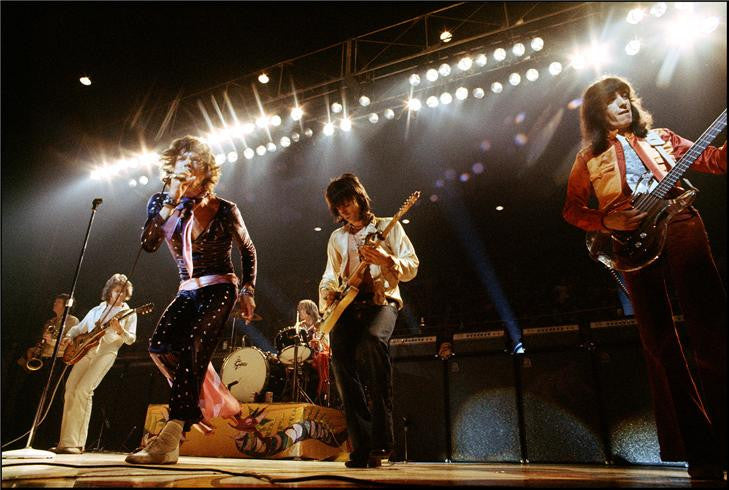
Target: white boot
<point>162,449</point>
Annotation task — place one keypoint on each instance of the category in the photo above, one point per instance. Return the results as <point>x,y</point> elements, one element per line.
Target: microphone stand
<point>28,452</point>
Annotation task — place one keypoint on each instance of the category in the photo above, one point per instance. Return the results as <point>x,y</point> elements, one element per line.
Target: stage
<point>110,470</point>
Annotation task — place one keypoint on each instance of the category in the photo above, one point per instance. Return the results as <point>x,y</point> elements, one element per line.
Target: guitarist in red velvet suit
<point>359,341</point>
<point>619,149</point>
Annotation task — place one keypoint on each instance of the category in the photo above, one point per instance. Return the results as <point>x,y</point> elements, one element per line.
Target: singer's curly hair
<point>342,190</point>
<point>192,143</point>
<point>593,113</point>
<point>113,281</point>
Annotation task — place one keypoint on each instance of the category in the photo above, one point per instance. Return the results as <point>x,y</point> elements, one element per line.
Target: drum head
<point>285,341</point>
<point>245,373</point>
<point>287,354</point>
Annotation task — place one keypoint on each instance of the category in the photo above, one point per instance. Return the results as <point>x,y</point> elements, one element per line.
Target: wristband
<point>247,291</point>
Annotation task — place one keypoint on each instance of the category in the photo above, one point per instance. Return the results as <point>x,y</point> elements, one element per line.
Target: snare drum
<point>285,342</point>
<point>246,372</point>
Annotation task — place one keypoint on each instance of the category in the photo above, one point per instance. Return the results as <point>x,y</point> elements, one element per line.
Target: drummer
<point>309,319</point>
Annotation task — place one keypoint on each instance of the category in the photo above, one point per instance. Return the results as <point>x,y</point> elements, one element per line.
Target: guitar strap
<point>657,142</point>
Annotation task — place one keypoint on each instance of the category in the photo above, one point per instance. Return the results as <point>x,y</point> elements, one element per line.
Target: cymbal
<point>238,313</point>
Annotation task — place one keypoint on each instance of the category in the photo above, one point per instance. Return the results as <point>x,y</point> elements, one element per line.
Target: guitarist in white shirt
<point>359,341</point>
<point>87,373</point>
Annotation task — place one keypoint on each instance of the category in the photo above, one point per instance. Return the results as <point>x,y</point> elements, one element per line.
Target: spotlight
<point>537,44</point>
<point>477,168</point>
<point>499,208</point>
<point>635,15</point>
<point>308,132</point>
<point>465,63</point>
<point>578,61</point>
<point>364,101</point>
<point>481,60</point>
<point>432,101</point>
<point>446,36</point>
<point>232,157</point>
<point>133,183</point>
<point>271,146</point>
<point>464,177</point>
<point>144,180</point>
<point>262,121</point>
<point>285,141</point>
<point>446,98</point>
<point>337,108</point>
<point>329,129</point>
<point>555,68</point>
<point>263,78</point>
<point>431,75</point>
<point>709,25</point>
<point>444,69</point>
<point>515,79</point>
<point>220,159</point>
<point>518,49</point>
<point>461,93</point>
<point>520,139</point>
<point>261,150</point>
<point>248,153</point>
<point>684,6</point>
<point>85,81</point>
<point>297,113</point>
<point>276,120</point>
<point>414,104</point>
<point>389,114</point>
<point>317,228</point>
<point>658,9</point>
<point>295,137</point>
<point>532,74</point>
<point>414,79</point>
<point>373,118</point>
<point>346,124</point>
<point>248,128</point>
<point>479,93</point>
<point>406,221</point>
<point>500,54</point>
<point>633,47</point>
<point>497,88</point>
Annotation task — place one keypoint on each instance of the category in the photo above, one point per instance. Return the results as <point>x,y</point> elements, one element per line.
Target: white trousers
<point>84,378</point>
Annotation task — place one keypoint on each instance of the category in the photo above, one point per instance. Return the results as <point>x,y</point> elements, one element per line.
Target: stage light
<point>465,63</point>
<point>477,168</point>
<point>346,124</point>
<point>261,150</point>
<point>232,157</point>
<point>431,75</point>
<point>271,146</point>
<point>520,118</point>
<point>481,60</point>
<point>658,9</point>
<point>276,120</point>
<point>337,108</point>
<point>446,36</point>
<point>532,74</point>
<point>497,88</point>
<point>308,132</point>
<point>285,141</point>
<point>373,118</point>
<point>555,68</point>
<point>633,47</point>
<point>295,137</point>
<point>500,54</point>
<point>248,153</point>
<point>709,25</point>
<point>317,228</point>
<point>520,139</point>
<point>85,81</point>
<point>414,79</point>
<point>248,128</point>
<point>263,78</point>
<point>133,183</point>
<point>414,104</point>
<point>364,101</point>
<point>515,79</point>
<point>518,49</point>
<point>537,44</point>
<point>433,197</point>
<point>499,208</point>
<point>329,129</point>
<point>389,114</point>
<point>464,177</point>
<point>220,159</point>
<point>446,98</point>
<point>444,70</point>
<point>144,180</point>
<point>297,113</point>
<point>574,103</point>
<point>405,221</point>
<point>578,61</point>
<point>262,121</point>
<point>461,93</point>
<point>688,6</point>
<point>432,101</point>
<point>479,93</point>
<point>635,15</point>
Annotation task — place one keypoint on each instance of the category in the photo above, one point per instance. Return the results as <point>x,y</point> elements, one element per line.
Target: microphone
<point>96,202</point>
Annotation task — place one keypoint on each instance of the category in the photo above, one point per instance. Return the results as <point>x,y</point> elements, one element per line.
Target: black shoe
<point>706,472</point>
<point>359,462</point>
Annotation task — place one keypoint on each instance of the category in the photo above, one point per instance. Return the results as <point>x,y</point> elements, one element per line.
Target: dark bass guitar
<point>351,288</point>
<point>81,344</point>
<point>632,250</point>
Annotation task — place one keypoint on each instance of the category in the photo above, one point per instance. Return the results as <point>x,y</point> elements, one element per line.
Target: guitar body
<point>629,251</point>
<point>81,344</point>
<point>335,310</point>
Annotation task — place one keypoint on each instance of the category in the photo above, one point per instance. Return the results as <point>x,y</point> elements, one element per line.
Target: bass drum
<point>245,372</point>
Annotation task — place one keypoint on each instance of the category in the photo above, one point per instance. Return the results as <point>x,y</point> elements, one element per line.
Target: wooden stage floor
<point>109,470</point>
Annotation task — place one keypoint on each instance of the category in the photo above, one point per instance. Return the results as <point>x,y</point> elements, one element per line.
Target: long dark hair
<point>342,190</point>
<point>593,115</point>
<point>192,143</point>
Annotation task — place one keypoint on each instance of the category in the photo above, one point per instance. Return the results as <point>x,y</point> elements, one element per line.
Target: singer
<point>199,228</point>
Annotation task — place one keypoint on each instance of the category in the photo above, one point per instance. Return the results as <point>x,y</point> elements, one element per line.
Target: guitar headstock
<point>409,202</point>
<point>144,309</point>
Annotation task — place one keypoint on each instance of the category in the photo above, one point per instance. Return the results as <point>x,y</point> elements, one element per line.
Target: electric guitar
<point>351,288</point>
<point>81,344</point>
<point>632,250</point>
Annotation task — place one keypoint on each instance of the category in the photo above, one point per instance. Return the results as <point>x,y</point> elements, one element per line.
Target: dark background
<point>53,128</point>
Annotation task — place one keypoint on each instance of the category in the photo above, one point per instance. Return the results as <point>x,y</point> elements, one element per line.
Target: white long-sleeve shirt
<point>385,280</point>
<point>111,341</point>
